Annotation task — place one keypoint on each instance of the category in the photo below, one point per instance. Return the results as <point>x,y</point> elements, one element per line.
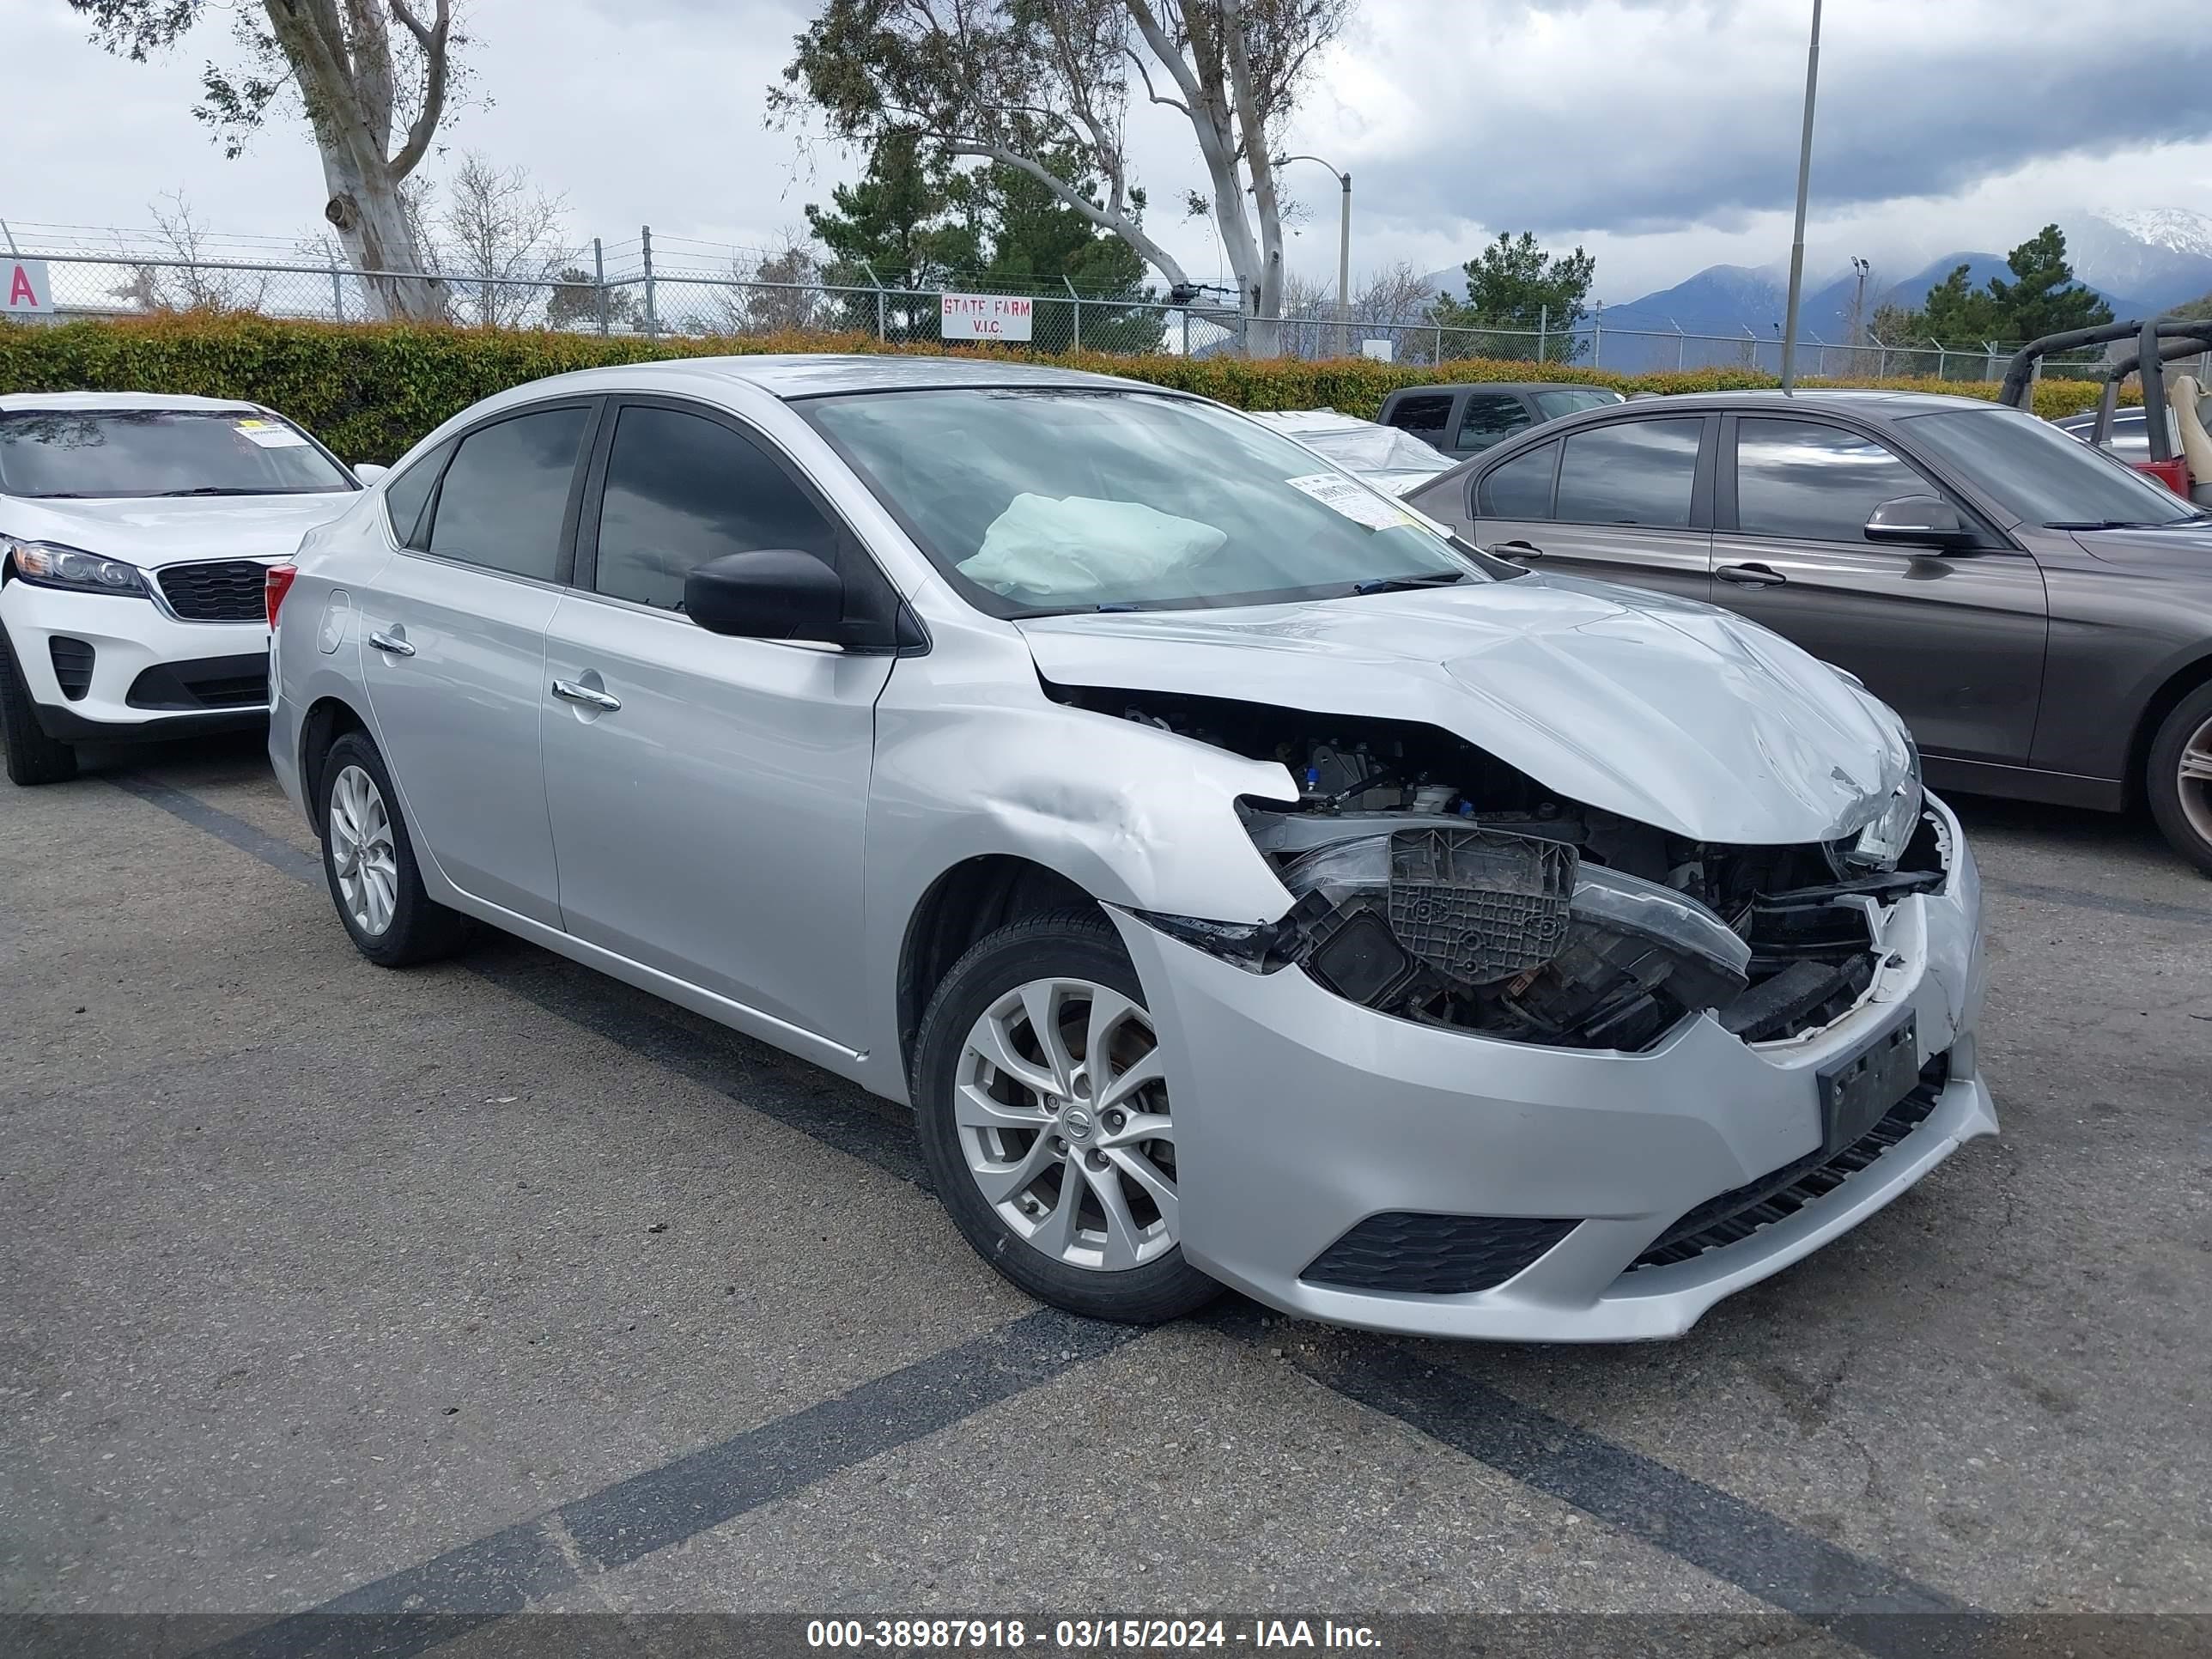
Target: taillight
<point>275,583</point>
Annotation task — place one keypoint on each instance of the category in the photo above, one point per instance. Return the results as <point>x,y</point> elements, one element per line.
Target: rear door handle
<point>1751,575</point>
<point>393,643</point>
<point>590,697</point>
<point>1517,550</point>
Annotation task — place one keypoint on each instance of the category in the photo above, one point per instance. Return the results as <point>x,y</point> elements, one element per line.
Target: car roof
<point>116,401</point>
<point>1871,401</point>
<point>799,375</point>
<point>1502,385</point>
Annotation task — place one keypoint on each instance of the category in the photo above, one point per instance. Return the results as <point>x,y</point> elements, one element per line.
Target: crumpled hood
<point>154,531</point>
<point>1671,713</point>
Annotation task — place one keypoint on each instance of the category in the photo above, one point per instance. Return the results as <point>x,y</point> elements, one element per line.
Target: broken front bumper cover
<point>1303,1115</point>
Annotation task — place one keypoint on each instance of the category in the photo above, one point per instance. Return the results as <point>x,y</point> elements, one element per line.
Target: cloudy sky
<point>1660,134</point>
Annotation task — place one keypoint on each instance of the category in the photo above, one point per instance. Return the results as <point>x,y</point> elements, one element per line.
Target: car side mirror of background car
<point>780,593</point>
<point>1918,521</point>
<point>368,471</point>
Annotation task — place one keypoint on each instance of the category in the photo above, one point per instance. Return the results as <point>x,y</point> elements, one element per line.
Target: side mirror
<point>778,593</point>
<point>368,471</point>
<point>1918,521</point>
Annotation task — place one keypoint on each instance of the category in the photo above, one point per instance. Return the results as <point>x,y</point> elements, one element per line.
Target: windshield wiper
<point>2121,524</point>
<point>1401,584</point>
<point>215,489</point>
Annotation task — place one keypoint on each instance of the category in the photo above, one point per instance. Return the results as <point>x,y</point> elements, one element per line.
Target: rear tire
<point>2178,779</point>
<point>33,756</point>
<point>1055,1162</point>
<point>369,861</point>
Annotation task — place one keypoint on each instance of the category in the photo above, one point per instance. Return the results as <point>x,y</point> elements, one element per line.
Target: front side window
<point>1064,499</point>
<point>505,495</point>
<point>1521,488</point>
<point>1637,472</point>
<point>1805,481</point>
<point>1489,419</point>
<point>1426,416</point>
<point>682,490</point>
<point>120,453</point>
<point>2047,477</point>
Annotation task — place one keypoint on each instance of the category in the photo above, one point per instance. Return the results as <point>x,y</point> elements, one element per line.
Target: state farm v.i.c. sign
<point>984,316</point>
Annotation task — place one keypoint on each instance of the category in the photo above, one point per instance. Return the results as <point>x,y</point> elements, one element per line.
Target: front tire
<point>369,862</point>
<point>33,756</point>
<point>1045,1122</point>
<point>2179,779</point>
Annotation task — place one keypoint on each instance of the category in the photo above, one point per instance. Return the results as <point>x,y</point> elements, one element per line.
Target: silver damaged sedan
<point>1247,883</point>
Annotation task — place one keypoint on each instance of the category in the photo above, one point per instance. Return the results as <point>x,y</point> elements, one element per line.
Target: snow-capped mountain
<point>2159,256</point>
<point>2183,230</point>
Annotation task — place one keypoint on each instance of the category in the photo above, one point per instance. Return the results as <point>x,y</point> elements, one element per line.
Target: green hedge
<point>370,390</point>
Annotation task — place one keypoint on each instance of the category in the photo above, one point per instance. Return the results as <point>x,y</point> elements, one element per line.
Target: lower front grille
<point>1778,1195</point>
<point>1435,1254</point>
<point>72,661</point>
<point>221,589</point>
<point>240,682</point>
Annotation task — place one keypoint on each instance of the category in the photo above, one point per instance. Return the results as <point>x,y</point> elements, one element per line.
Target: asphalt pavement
<point>497,1287</point>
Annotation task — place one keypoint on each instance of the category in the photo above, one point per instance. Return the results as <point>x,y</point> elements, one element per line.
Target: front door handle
<point>1516,550</point>
<point>392,642</point>
<point>590,695</point>
<point>1751,575</point>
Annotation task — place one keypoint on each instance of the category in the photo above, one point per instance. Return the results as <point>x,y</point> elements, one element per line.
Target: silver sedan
<point>1246,883</point>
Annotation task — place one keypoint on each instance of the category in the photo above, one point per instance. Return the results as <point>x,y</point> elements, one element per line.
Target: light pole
<point>1804,183</point>
<point>1858,300</point>
<point>1343,250</point>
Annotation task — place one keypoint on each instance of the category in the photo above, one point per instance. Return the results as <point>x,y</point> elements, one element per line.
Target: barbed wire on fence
<point>691,287</point>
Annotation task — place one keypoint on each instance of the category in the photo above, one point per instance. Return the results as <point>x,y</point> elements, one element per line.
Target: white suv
<point>134,535</point>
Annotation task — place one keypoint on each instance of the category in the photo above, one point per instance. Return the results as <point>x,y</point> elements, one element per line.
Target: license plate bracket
<point>1857,1091</point>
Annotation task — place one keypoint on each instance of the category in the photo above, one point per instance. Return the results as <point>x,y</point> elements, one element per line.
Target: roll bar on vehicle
<point>2158,340</point>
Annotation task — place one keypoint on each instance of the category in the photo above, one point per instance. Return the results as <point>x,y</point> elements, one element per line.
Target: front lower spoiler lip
<point>1301,1114</point>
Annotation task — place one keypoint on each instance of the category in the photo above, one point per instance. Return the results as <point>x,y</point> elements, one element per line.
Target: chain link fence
<point>678,288</point>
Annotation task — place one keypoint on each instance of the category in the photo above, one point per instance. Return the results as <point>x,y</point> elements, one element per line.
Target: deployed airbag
<point>1079,546</point>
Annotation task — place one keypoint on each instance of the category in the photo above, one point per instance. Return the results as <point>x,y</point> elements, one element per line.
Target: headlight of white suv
<point>49,564</point>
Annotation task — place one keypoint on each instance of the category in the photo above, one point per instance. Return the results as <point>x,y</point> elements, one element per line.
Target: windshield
<point>1066,499</point>
<point>1556,404</point>
<point>125,453</point>
<point>2044,476</point>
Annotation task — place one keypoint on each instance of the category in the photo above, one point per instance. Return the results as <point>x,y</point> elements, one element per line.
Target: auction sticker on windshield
<point>271,435</point>
<point>1355,501</point>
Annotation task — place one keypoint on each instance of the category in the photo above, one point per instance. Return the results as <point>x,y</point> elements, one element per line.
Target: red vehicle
<point>2180,449</point>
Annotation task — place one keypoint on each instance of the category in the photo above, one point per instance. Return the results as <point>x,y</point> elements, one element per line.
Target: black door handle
<point>1751,575</point>
<point>1516,550</point>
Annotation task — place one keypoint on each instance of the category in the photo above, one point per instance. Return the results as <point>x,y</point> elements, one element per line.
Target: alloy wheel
<point>362,851</point>
<point>1062,1112</point>
<point>2194,785</point>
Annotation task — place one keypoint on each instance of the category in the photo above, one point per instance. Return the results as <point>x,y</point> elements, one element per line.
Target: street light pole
<point>1343,252</point>
<point>1804,184</point>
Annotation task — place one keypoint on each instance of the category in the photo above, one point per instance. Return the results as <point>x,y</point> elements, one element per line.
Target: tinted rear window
<point>1420,414</point>
<point>1521,488</point>
<point>505,496</point>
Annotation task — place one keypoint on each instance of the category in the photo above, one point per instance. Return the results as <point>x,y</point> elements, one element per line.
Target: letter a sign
<point>23,285</point>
